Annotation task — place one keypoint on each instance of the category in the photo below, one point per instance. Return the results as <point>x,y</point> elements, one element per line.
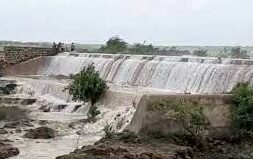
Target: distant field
<point>212,50</point>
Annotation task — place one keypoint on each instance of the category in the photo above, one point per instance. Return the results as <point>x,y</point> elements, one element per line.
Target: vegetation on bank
<point>201,53</point>
<point>243,111</point>
<point>189,115</point>
<point>87,86</point>
<point>118,45</point>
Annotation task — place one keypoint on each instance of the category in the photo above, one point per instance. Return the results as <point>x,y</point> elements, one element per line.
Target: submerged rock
<point>15,124</point>
<point>7,87</point>
<point>7,150</point>
<point>40,133</point>
<point>2,131</point>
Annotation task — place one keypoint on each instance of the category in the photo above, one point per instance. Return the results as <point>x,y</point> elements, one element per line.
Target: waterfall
<point>175,73</point>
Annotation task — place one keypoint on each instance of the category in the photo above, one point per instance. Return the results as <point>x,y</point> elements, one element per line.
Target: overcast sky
<point>161,22</point>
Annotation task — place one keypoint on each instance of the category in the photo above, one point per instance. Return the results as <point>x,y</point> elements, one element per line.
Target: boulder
<point>7,150</point>
<point>40,133</point>
<point>2,131</point>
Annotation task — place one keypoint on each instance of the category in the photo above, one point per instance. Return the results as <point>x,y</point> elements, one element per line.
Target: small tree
<point>142,49</point>
<point>114,45</point>
<point>243,112</point>
<point>237,52</point>
<point>201,53</point>
<point>87,86</point>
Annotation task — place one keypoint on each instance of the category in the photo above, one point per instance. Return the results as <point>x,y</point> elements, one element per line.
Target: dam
<point>134,80</point>
<point>195,75</point>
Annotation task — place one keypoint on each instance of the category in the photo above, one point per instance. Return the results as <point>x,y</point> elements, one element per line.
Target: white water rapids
<point>176,74</point>
<point>129,77</point>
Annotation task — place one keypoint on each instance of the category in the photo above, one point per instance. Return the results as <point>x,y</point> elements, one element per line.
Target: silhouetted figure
<point>54,48</point>
<point>72,47</point>
<point>59,47</point>
<point>62,47</point>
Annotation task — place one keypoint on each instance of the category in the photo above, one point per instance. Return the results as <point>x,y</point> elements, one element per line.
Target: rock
<point>7,87</point>
<point>7,150</point>
<point>43,122</point>
<point>12,125</point>
<point>44,108</point>
<point>18,130</point>
<point>75,108</point>
<point>2,131</point>
<point>15,124</point>
<point>40,133</point>
<point>60,107</point>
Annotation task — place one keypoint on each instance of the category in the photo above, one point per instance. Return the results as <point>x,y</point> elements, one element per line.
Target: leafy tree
<point>142,49</point>
<point>201,53</point>
<point>237,52</point>
<point>114,45</point>
<point>87,86</point>
<point>243,112</point>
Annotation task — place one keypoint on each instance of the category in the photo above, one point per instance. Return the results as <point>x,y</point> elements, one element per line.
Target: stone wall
<point>216,109</point>
<point>14,54</point>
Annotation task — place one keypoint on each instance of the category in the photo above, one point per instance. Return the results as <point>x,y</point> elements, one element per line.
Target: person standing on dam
<point>54,48</point>
<point>72,47</point>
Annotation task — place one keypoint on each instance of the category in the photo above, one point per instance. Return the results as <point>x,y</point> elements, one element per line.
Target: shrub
<point>87,86</point>
<point>237,52</point>
<point>243,112</point>
<point>109,131</point>
<point>114,45</point>
<point>201,53</point>
<point>142,49</point>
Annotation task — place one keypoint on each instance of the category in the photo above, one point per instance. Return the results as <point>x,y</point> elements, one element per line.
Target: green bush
<point>87,86</point>
<point>243,112</point>
<point>188,114</point>
<point>201,53</point>
<point>237,52</point>
<point>114,45</point>
<point>142,49</point>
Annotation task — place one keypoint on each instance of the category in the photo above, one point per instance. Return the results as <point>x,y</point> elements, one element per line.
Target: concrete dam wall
<point>176,74</point>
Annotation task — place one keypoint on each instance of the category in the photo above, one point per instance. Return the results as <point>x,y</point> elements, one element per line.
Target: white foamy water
<point>50,93</point>
<point>176,74</point>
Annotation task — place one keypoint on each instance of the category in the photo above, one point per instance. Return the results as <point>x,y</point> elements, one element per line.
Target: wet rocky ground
<point>130,146</point>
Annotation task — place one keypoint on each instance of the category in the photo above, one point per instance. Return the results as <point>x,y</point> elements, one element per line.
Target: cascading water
<point>176,74</point>
<point>129,77</point>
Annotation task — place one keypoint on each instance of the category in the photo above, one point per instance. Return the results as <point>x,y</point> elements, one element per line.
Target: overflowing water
<point>176,74</point>
<point>129,77</point>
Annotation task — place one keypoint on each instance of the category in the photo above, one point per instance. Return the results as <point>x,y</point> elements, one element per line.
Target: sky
<point>161,22</point>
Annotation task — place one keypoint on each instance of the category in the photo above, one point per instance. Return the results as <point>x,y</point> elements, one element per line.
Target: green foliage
<point>201,53</point>
<point>114,45</point>
<point>237,52</point>
<point>142,49</point>
<point>188,114</point>
<point>87,86</point>
<point>109,131</point>
<point>243,112</point>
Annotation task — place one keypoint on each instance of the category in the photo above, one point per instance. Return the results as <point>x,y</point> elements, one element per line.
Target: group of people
<point>60,47</point>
